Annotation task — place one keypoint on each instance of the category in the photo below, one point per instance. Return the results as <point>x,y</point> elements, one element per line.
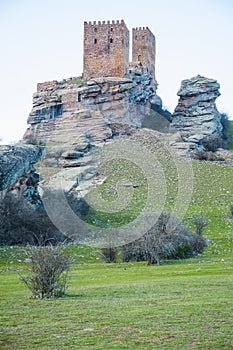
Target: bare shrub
<point>231,210</point>
<point>225,121</point>
<point>22,224</point>
<point>203,155</point>
<point>121,129</point>
<point>213,142</point>
<point>167,239</point>
<point>200,223</point>
<point>108,254</point>
<point>47,271</point>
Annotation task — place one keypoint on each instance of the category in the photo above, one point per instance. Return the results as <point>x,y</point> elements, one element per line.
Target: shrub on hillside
<point>109,254</point>
<point>47,271</point>
<point>200,223</point>
<point>225,128</point>
<point>213,142</point>
<point>167,239</point>
<point>21,224</point>
<point>231,209</point>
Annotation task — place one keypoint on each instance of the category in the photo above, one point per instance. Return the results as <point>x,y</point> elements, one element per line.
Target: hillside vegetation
<point>182,304</point>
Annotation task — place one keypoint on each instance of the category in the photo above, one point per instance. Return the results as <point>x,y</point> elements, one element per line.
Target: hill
<point>181,304</point>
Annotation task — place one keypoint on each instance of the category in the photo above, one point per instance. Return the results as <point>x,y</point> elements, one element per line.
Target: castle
<point>106,52</point>
<point>106,49</point>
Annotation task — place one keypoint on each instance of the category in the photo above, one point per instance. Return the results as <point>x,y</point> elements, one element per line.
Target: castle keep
<point>143,49</point>
<point>106,49</point>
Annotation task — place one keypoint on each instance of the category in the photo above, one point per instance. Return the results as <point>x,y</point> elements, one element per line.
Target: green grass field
<point>178,305</point>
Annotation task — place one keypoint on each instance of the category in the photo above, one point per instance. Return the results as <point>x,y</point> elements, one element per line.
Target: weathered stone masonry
<point>106,49</point>
<point>143,49</point>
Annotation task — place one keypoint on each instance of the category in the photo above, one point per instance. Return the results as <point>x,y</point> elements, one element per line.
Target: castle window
<point>95,41</point>
<point>139,58</point>
<point>111,29</point>
<point>111,41</point>
<point>143,37</point>
<point>136,37</point>
<point>95,30</point>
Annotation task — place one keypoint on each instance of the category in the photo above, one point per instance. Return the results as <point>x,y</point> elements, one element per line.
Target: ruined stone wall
<point>46,85</point>
<point>106,49</point>
<point>143,49</point>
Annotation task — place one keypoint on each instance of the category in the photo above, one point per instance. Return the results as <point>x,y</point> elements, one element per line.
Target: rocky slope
<point>196,116</point>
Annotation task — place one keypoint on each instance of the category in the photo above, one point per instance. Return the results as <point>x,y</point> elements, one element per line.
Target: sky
<point>42,40</point>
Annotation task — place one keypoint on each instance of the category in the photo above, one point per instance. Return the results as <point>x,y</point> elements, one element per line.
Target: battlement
<point>94,23</point>
<point>141,28</point>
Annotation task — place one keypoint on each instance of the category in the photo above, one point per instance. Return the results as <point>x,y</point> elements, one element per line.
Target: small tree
<point>48,269</point>
<point>200,223</point>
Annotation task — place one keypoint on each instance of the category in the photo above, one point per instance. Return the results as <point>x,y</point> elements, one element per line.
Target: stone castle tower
<point>106,49</point>
<point>143,49</point>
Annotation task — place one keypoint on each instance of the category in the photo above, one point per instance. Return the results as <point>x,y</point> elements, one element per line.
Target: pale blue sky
<point>43,40</point>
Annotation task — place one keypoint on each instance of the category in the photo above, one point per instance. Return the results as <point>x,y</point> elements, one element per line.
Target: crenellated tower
<point>106,49</point>
<point>143,49</point>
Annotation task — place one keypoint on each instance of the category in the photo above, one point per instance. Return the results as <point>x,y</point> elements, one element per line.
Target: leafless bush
<point>213,142</point>
<point>108,254</point>
<point>121,129</point>
<point>231,209</point>
<point>200,223</point>
<point>22,224</point>
<point>47,271</point>
<point>167,239</point>
<point>225,121</point>
<point>203,155</point>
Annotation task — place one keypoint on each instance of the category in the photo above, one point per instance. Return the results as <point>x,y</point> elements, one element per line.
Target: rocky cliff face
<point>15,161</point>
<point>196,116</point>
<point>73,117</point>
<point>75,106</point>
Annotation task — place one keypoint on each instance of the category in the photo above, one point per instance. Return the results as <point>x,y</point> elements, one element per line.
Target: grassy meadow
<point>181,304</point>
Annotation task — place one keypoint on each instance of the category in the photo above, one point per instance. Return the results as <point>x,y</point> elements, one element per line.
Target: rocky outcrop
<point>16,161</point>
<point>196,116</point>
<point>75,115</point>
<point>76,106</point>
